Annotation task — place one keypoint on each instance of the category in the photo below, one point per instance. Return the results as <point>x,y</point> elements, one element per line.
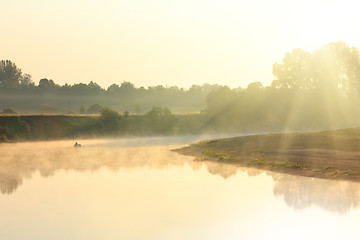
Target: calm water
<point>139,189</point>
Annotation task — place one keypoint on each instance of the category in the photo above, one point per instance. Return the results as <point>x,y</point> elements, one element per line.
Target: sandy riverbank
<point>327,154</point>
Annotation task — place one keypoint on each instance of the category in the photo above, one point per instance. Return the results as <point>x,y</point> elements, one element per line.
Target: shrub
<point>96,108</point>
<point>8,111</point>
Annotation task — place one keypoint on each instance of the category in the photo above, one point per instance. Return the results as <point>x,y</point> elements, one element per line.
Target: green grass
<point>328,167</point>
<point>209,153</point>
<point>278,164</point>
<point>346,172</point>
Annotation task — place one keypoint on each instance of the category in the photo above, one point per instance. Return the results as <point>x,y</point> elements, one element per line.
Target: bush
<point>109,115</point>
<point>96,108</point>
<point>82,109</point>
<point>110,120</point>
<point>8,111</point>
<point>160,120</point>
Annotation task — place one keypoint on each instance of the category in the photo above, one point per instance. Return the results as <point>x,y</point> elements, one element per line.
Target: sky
<point>164,42</point>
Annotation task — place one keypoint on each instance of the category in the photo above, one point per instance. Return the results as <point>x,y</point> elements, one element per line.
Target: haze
<point>167,43</point>
<point>108,190</point>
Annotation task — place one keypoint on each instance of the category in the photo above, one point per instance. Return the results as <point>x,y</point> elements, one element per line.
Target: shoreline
<point>329,154</point>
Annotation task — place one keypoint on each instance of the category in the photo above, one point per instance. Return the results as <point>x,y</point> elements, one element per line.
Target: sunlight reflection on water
<point>139,189</point>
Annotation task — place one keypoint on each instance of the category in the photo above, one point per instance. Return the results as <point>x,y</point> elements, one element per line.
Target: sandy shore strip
<point>328,154</point>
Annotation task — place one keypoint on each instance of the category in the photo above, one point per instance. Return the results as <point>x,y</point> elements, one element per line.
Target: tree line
<point>19,92</point>
<point>310,91</point>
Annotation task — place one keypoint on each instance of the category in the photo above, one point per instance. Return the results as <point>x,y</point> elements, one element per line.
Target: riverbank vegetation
<point>109,123</point>
<point>311,91</point>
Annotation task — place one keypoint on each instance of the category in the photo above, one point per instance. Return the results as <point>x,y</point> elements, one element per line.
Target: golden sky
<point>164,42</point>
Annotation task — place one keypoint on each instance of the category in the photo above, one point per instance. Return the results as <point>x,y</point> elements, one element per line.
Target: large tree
<point>336,65</point>
<point>294,71</point>
<point>10,74</point>
<point>333,66</point>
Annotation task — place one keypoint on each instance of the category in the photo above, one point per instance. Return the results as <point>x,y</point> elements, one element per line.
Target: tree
<point>333,66</point>
<point>93,88</point>
<point>160,120</point>
<point>127,88</point>
<point>95,108</point>
<point>82,109</point>
<point>8,111</point>
<point>113,88</point>
<point>110,120</point>
<point>109,115</point>
<point>137,108</point>
<point>218,101</point>
<point>336,65</point>
<point>47,85</point>
<point>10,74</point>
<point>195,89</point>
<point>255,87</point>
<point>157,112</point>
<point>294,71</point>
<point>26,80</point>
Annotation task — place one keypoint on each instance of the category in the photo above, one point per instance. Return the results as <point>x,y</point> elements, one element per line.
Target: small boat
<point>77,145</point>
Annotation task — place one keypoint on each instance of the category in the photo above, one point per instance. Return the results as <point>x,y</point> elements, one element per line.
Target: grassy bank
<point>29,127</point>
<point>327,154</point>
<point>44,127</point>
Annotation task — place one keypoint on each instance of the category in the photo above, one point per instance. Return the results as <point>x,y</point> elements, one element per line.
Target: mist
<point>312,91</point>
<point>21,161</point>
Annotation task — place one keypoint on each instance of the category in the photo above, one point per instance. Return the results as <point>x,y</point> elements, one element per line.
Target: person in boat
<point>77,144</point>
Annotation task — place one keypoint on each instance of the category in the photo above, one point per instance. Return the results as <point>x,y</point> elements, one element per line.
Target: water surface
<point>139,189</point>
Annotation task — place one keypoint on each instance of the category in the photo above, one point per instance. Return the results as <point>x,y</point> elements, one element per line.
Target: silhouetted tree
<point>294,72</point>
<point>95,108</point>
<point>82,109</point>
<point>47,85</point>
<point>110,120</point>
<point>8,111</point>
<point>333,66</point>
<point>159,120</point>
<point>26,80</point>
<point>10,74</point>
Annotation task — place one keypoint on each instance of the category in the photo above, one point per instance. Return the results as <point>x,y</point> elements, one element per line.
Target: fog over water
<point>139,189</point>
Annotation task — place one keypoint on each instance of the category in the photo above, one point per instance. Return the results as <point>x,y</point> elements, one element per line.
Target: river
<point>140,189</point>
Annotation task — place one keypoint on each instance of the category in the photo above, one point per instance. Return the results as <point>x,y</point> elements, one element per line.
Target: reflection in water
<point>223,170</point>
<point>336,196</point>
<point>302,192</point>
<point>22,160</point>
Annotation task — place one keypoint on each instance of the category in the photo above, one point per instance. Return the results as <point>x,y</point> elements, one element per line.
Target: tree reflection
<point>302,192</point>
<point>223,170</point>
<point>18,161</point>
<point>9,182</point>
